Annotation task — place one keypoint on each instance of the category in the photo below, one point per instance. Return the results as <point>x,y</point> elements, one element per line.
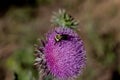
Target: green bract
<point>61,18</point>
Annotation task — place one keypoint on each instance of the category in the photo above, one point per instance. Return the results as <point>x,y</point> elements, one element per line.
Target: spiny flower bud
<point>61,18</point>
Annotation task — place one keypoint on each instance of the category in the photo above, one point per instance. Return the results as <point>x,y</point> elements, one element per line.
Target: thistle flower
<point>63,54</point>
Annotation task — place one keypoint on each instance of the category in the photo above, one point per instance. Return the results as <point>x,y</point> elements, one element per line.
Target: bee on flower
<point>63,54</point>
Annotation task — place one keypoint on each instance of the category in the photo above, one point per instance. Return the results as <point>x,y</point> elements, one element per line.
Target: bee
<point>60,37</point>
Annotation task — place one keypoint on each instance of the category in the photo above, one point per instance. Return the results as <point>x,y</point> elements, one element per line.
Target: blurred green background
<point>22,22</point>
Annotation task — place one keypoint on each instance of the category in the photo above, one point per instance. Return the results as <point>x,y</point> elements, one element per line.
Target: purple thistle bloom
<point>64,58</point>
<point>63,54</point>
